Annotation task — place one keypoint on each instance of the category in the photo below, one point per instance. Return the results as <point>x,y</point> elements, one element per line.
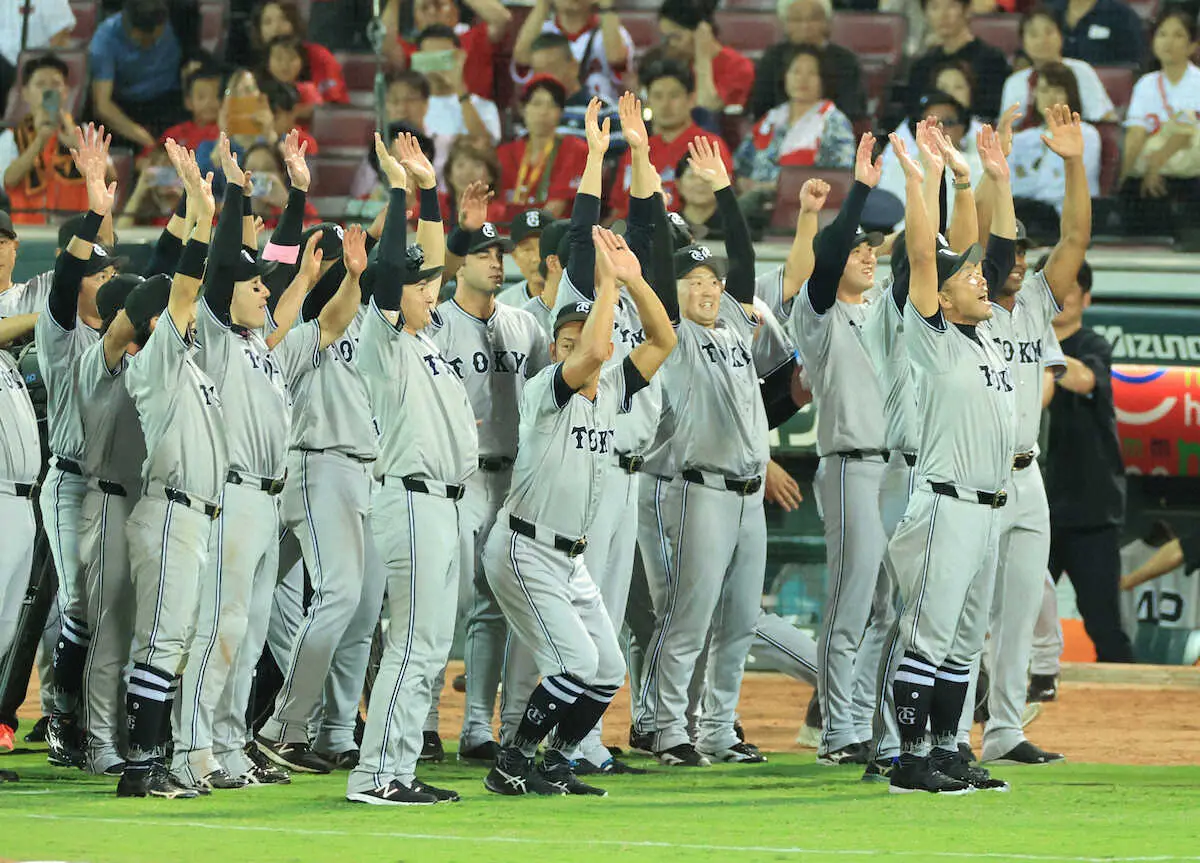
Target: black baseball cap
<point>1022,238</point>
<point>101,259</point>
<point>551,236</point>
<point>147,300</point>
<point>874,239</point>
<point>900,268</point>
<point>113,294</point>
<point>571,313</point>
<point>681,232</point>
<point>690,257</point>
<point>247,267</point>
<point>6,226</point>
<point>331,240</point>
<point>414,265</point>
<point>531,223</point>
<point>485,238</point>
<point>948,263</point>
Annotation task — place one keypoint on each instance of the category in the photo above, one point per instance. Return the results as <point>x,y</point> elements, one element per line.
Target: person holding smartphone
<point>35,155</point>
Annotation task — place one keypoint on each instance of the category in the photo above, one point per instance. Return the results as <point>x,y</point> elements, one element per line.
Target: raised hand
<point>310,262</point>
<point>354,250</point>
<point>397,177</point>
<point>91,160</point>
<point>633,124</point>
<point>932,159</point>
<point>293,157</point>
<point>813,194</point>
<point>705,43</point>
<point>1065,132</point>
<point>473,206</point>
<point>598,134</point>
<point>992,155</point>
<point>1005,128</point>
<point>866,171</point>
<point>415,161</point>
<point>229,163</point>
<point>705,159</point>
<point>206,203</point>
<point>952,156</point>
<point>912,171</point>
<point>614,254</point>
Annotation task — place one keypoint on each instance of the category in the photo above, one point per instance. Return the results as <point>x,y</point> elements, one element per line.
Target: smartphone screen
<point>433,61</point>
<point>51,102</point>
<point>241,115</point>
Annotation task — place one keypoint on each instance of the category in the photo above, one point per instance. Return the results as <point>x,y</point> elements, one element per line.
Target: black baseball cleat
<point>878,770</point>
<point>484,752</point>
<point>263,771</point>
<point>1026,754</point>
<point>851,753</point>
<point>347,760</point>
<point>431,748</point>
<point>965,750</point>
<point>219,780</point>
<point>739,753</point>
<point>611,767</point>
<point>682,755</point>
<point>443,795</point>
<point>513,775</point>
<point>297,757</point>
<point>395,793</point>
<point>9,776</point>
<point>739,732</point>
<point>37,734</point>
<point>953,764</point>
<point>1042,687</point>
<point>914,774</point>
<point>642,741</point>
<point>557,771</point>
<point>154,781</point>
<point>64,743</point>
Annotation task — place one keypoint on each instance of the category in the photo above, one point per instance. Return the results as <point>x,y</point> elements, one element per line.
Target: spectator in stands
<point>50,25</point>
<point>1101,32</point>
<point>602,47</point>
<point>671,95</point>
<point>551,54</point>
<point>284,63</point>
<point>370,186</point>
<point>1042,42</point>
<point>1161,163</point>
<point>917,38</point>
<point>406,102</point>
<point>453,110</point>
<point>956,78</point>
<point>806,22</point>
<point>1085,475</point>
<point>246,117</point>
<point>135,59</point>
<point>806,130</point>
<point>469,162</point>
<point>283,101</point>
<point>320,69</point>
<point>477,40</point>
<point>35,155</point>
<point>269,185</point>
<point>1038,180</point>
<point>724,77</point>
<point>202,97</point>
<point>542,169</point>
<point>953,40</point>
<point>155,195</point>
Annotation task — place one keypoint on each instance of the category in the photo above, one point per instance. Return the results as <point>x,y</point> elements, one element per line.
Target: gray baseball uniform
<point>26,298</point>
<point>114,451</point>
<point>515,295</point>
<point>20,454</point>
<point>428,449</point>
<point>493,359</point>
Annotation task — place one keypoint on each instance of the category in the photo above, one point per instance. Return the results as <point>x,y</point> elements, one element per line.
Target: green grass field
<point>789,809</point>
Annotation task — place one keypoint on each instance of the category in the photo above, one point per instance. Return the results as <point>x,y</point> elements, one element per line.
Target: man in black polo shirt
<point>951,33</point>
<point>1101,32</point>
<point>1085,476</point>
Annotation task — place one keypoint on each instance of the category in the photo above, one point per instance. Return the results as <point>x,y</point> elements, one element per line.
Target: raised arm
<point>739,248</point>
<point>985,191</point>
<point>834,244</point>
<point>170,242</point>
<point>431,236</point>
<point>1001,254</point>
<point>227,238</point>
<point>614,260</point>
<point>394,241</point>
<point>341,309</point>
<point>284,245</point>
<point>919,236</point>
<point>1065,138</point>
<point>287,309</point>
<point>801,257</point>
<point>531,27</point>
<point>472,213</point>
<point>116,339</point>
<point>647,231</point>
<point>964,224</point>
<point>581,265</point>
<point>185,287</point>
<point>595,341</point>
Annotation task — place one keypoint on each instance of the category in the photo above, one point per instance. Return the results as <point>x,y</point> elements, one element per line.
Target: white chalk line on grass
<point>606,843</point>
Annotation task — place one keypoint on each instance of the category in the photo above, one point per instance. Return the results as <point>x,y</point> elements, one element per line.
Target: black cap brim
<point>569,315</point>
<point>500,243</point>
<point>874,239</point>
<point>422,275</point>
<point>686,261</point>
<point>948,263</point>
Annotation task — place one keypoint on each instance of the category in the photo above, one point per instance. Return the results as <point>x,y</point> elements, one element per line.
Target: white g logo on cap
<point>533,219</point>
<point>340,231</point>
<point>583,308</point>
<point>701,253</point>
<point>488,230</point>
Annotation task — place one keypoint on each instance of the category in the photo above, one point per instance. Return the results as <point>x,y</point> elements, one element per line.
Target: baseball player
<point>428,448</point>
<point>525,234</point>
<point>182,480</point>
<point>533,557</point>
<point>68,325</point>
<point>945,545</point>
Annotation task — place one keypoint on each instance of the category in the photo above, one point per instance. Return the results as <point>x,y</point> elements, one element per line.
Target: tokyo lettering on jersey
<point>20,449</point>
<point>114,446</point>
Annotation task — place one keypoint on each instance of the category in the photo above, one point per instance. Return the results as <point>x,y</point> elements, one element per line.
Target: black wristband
<point>191,262</point>
<point>296,197</point>
<point>89,227</point>
<point>458,242</point>
<point>247,205</point>
<point>431,207</point>
<point>181,207</point>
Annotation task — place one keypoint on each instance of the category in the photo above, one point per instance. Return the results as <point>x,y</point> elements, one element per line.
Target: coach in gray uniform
<point>524,235</point>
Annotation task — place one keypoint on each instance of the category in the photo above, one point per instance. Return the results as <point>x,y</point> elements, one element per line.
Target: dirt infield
<point>1102,723</point>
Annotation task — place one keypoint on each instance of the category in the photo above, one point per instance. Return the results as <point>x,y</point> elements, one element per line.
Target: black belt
<point>411,483</point>
<point>176,496</point>
<point>860,454</point>
<point>24,489</point>
<point>630,463</point>
<point>361,459</point>
<point>994,499</point>
<point>270,486</point>
<point>68,466</point>
<point>910,458</point>
<point>742,487</point>
<point>109,487</point>
<point>494,463</point>
<point>1022,460</point>
<point>571,547</point>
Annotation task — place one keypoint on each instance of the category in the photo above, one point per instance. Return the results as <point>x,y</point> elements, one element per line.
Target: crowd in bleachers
<point>497,92</point>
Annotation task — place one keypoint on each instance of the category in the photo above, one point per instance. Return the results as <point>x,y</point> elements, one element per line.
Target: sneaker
<point>483,752</point>
<point>852,753</point>
<point>431,748</point>
<point>395,793</point>
<point>1026,754</point>
<point>642,741</point>
<point>37,734</point>
<point>558,773</point>
<point>914,773</point>
<point>153,781</point>
<point>64,743</point>
<point>878,770</point>
<point>460,683</point>
<point>297,757</point>
<point>965,750</point>
<point>611,766</point>
<point>682,755</point>
<point>739,753</point>
<point>513,775</point>
<point>347,760</point>
<point>443,795</point>
<point>953,765</point>
<point>7,735</point>
<point>1042,687</point>
<point>219,780</point>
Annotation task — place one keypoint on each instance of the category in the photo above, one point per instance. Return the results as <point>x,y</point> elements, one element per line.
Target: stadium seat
<point>753,6</point>
<point>874,37</point>
<point>342,131</point>
<point>1118,81</point>
<point>748,32</point>
<point>212,26</point>
<point>77,64</point>
<point>643,29</point>
<point>787,196</point>
<point>85,23</point>
<point>876,75</point>
<point>332,175</point>
<point>1000,31</point>
<point>332,208</point>
<point>1110,157</point>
